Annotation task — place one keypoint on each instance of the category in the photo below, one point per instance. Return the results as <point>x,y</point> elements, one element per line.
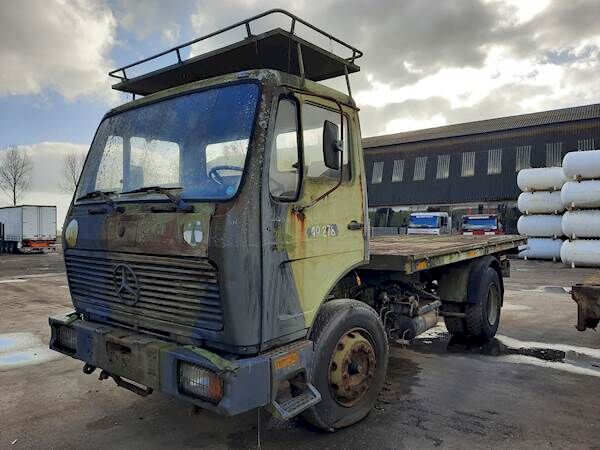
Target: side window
<point>284,167</point>
<point>313,118</point>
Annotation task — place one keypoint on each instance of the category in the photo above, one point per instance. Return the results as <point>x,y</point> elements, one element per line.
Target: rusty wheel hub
<point>352,367</point>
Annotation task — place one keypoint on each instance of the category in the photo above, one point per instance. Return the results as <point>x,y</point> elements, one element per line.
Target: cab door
<point>309,244</point>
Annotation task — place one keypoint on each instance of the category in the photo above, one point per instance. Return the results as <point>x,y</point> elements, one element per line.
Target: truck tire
<point>483,316</point>
<point>349,364</point>
<point>457,326</point>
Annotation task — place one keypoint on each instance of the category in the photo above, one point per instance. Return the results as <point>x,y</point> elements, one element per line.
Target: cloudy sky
<point>427,62</point>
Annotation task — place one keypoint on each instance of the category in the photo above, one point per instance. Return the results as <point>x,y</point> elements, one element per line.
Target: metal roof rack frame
<point>323,64</point>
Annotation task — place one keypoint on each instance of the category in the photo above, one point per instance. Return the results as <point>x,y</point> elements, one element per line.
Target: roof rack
<point>276,49</point>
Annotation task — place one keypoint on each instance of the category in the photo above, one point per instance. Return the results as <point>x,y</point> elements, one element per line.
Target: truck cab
<point>217,247</point>
<point>481,224</point>
<point>429,223</point>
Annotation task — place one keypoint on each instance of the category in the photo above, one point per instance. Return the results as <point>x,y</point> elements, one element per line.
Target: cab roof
<point>276,49</point>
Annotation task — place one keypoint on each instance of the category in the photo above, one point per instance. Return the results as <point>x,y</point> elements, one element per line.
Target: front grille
<point>174,295</point>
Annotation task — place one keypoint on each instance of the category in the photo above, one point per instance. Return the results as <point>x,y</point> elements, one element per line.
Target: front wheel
<point>349,363</point>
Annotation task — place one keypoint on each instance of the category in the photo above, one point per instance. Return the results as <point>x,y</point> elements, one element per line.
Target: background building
<point>470,167</point>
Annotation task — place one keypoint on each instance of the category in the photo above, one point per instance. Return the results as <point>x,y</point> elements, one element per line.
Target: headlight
<point>71,234</point>
<point>66,338</point>
<point>200,382</point>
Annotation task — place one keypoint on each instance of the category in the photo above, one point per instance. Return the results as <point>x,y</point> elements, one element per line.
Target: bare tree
<point>15,173</point>
<point>72,166</point>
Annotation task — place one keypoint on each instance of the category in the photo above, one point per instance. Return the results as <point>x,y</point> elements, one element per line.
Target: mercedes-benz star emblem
<point>126,284</point>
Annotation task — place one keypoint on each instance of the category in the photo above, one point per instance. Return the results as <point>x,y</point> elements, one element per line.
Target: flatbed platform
<point>410,253</point>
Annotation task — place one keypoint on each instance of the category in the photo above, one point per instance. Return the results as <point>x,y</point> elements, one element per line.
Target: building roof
<point>487,126</point>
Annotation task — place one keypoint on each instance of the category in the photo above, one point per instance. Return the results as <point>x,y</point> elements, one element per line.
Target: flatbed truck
<point>218,249</point>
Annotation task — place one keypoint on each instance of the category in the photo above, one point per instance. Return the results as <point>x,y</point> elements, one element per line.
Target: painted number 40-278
<point>328,230</point>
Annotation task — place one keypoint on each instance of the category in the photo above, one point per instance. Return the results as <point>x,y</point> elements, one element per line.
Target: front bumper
<point>247,383</point>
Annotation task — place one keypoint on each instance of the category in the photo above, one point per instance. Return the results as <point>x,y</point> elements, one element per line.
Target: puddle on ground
<point>23,349</point>
<point>476,347</point>
<point>569,358</point>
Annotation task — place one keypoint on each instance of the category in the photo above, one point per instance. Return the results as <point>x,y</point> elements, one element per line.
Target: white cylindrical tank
<point>542,248</point>
<point>583,194</point>
<point>581,252</point>
<point>581,224</point>
<point>549,225</point>
<point>540,203</point>
<point>541,179</point>
<point>582,164</point>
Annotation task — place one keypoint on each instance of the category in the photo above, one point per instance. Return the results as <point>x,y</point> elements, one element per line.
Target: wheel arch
<point>456,280</point>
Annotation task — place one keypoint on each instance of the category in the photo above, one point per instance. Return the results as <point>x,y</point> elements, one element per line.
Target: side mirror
<point>332,146</point>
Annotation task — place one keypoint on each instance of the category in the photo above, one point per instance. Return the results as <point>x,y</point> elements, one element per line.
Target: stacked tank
<point>542,208</point>
<point>581,196</point>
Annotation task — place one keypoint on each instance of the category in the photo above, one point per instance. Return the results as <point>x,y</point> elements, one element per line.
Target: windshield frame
<point>153,197</point>
<point>470,226</point>
<point>438,221</point>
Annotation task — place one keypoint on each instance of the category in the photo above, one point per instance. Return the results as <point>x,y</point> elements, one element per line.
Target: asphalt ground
<point>536,386</point>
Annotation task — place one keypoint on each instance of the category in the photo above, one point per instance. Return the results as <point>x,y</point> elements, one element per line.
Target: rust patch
<point>300,218</point>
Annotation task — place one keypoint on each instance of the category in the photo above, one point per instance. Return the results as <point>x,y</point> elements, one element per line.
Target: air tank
<point>540,225</point>
<point>541,179</point>
<point>577,165</point>
<point>581,194</point>
<point>542,248</point>
<point>540,203</point>
<point>581,252</point>
<point>581,224</point>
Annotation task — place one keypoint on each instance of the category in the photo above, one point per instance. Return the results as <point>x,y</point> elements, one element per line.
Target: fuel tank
<point>582,165</point>
<point>540,203</point>
<point>541,179</point>
<point>540,225</point>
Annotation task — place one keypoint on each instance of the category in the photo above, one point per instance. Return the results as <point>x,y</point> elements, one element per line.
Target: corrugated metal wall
<point>481,187</point>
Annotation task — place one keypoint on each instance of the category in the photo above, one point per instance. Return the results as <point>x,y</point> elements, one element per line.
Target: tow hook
<point>143,391</point>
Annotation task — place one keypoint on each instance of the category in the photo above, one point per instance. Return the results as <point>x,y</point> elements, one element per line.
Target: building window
<point>523,157</point>
<point>554,154</point>
<point>398,173</point>
<point>377,175</point>
<point>420,166</point>
<point>494,161</point>
<point>468,164</point>
<point>443,167</point>
<point>585,144</point>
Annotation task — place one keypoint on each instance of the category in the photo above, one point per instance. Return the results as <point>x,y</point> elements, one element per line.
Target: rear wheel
<point>482,313</point>
<point>349,365</point>
<point>483,317</point>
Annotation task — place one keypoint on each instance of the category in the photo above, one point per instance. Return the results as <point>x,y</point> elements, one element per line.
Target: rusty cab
<point>217,246</point>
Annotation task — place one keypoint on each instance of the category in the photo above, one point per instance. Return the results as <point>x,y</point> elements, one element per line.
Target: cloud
<point>148,17</point>
<point>47,159</point>
<point>56,44</point>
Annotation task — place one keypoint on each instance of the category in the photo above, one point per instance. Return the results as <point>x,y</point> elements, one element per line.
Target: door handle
<point>354,225</point>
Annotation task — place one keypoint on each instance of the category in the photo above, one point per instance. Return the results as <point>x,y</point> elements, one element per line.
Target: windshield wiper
<point>179,203</point>
<point>104,196</point>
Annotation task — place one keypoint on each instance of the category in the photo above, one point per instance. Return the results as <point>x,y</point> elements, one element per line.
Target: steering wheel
<point>214,175</point>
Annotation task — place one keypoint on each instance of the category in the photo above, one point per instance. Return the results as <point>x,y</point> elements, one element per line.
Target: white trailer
<point>29,228</point>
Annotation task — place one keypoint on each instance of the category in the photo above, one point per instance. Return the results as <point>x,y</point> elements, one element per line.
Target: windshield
<point>424,221</point>
<point>197,142</point>
<point>479,223</point>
